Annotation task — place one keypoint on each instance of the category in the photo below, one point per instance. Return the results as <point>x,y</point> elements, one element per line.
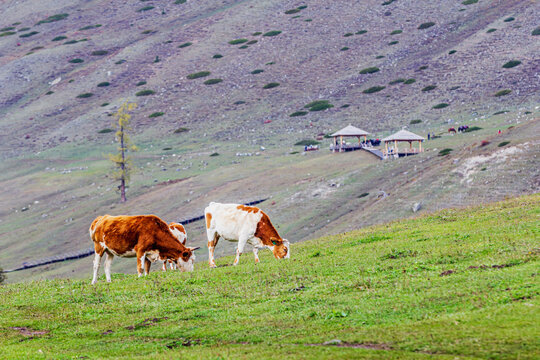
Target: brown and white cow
<point>146,237</point>
<point>245,224</point>
<point>179,232</point>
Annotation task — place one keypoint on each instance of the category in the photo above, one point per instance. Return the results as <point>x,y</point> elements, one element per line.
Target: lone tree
<point>121,161</point>
<point>2,276</point>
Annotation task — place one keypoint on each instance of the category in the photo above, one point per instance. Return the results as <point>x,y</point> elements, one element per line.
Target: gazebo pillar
<point>341,143</point>
<point>420,145</point>
<point>335,144</point>
<point>395,146</point>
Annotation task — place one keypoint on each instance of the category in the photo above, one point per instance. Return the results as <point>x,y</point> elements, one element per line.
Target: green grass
<point>454,284</point>
<point>53,18</point>
<point>510,64</point>
<point>307,142</point>
<point>212,81</point>
<point>441,106</point>
<point>374,89</point>
<point>76,61</point>
<point>271,85</point>
<point>85,95</point>
<point>502,92</point>
<point>199,74</point>
<point>145,93</point>
<point>426,25</point>
<point>369,70</point>
<point>156,114</point>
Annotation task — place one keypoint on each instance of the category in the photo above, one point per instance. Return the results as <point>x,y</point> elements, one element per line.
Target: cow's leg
<point>97,262</point>
<point>172,265</point>
<point>212,242</point>
<point>240,249</point>
<point>256,254</point>
<point>147,264</point>
<point>140,261</point>
<point>164,267</point>
<point>108,261</point>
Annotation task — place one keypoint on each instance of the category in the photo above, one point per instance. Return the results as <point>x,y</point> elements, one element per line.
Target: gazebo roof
<point>350,131</point>
<point>403,135</point>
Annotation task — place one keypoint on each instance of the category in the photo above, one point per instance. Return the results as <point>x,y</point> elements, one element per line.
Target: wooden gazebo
<point>348,131</point>
<point>391,144</point>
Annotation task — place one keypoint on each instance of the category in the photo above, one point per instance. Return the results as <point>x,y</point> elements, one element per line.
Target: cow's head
<point>187,259</point>
<point>280,248</point>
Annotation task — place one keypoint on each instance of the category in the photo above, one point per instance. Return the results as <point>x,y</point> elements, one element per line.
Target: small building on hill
<point>391,148</point>
<point>339,145</point>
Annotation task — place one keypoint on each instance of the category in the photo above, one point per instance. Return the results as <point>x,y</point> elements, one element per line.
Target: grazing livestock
<point>245,224</point>
<point>452,130</point>
<point>146,237</point>
<point>179,232</point>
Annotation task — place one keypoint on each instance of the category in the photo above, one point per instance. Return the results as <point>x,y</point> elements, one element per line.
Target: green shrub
<point>90,27</point>
<point>426,25</point>
<point>415,121</point>
<point>393,42</point>
<point>423,67</point>
<point>180,2</point>
<point>344,106</point>
<point>251,42</point>
<point>104,84</point>
<point>99,52</point>
<point>31,33</point>
<point>181,130</point>
<point>388,2</point>
<point>214,154</point>
<point>9,28</point>
<point>167,148</point>
<point>58,38</point>
<point>511,64</point>
<point>441,106</point>
<point>69,42</point>
<point>445,152</point>
<point>257,33</point>
<point>502,92</point>
<point>509,19</point>
<point>23,29</point>
<point>146,8</point>
<point>76,61</point>
<point>270,63</point>
<point>272,33</point>
<point>469,2</point>
<point>243,47</point>
<point>452,52</point>
<point>344,48</point>
<point>147,32</point>
<point>37,48</point>
<point>395,32</point>
<point>374,89</point>
<point>105,131</point>
<point>257,71</point>
<point>473,128</point>
<point>429,88</point>
<point>199,74</point>
<point>348,34</point>
<point>360,32</point>
<point>363,195</point>
<point>50,92</point>
<point>501,112</point>
<point>238,41</point>
<point>369,70</point>
<point>53,18</point>
<point>104,104</point>
<point>186,44</point>
<point>397,81</point>
<point>212,81</point>
<point>298,113</point>
<point>156,60</point>
<point>239,102</point>
<point>217,56</point>
<point>302,7</point>
<point>536,31</point>
<point>141,83</point>
<point>85,95</point>
<point>307,142</point>
<point>271,85</point>
<point>318,105</point>
<point>156,114</point>
<point>379,57</point>
<point>504,143</point>
<point>145,93</point>
<point>491,30</point>
<point>308,20</point>
<point>120,62</point>
<point>7,33</point>
<point>409,81</point>
<point>292,11</point>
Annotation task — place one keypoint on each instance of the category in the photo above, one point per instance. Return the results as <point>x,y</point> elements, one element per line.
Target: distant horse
<point>452,130</point>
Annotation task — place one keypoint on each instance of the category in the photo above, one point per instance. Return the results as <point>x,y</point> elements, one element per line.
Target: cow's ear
<point>194,248</point>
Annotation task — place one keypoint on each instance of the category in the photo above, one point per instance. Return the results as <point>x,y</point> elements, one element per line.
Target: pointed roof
<point>350,131</point>
<point>403,135</point>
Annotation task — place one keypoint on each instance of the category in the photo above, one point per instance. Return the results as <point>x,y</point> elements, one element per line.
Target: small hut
<point>348,131</point>
<point>402,136</point>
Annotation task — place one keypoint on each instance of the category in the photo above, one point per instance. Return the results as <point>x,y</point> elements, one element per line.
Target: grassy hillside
<point>55,179</point>
<point>454,284</point>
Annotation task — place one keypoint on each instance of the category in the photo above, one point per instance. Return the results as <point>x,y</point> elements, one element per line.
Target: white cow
<point>245,224</point>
